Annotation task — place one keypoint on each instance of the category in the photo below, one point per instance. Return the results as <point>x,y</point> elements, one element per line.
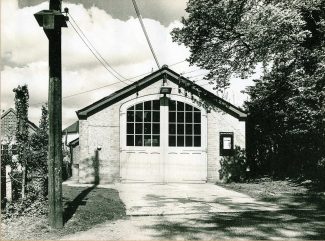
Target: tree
<point>231,37</point>
<point>21,104</point>
<point>39,148</point>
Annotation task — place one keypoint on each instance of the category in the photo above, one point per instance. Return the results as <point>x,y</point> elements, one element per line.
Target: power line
<point>95,48</point>
<point>87,91</point>
<point>196,75</point>
<point>104,86</point>
<point>191,71</point>
<point>145,32</point>
<point>177,63</point>
<point>95,54</point>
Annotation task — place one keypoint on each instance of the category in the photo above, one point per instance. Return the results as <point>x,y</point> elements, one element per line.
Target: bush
<point>234,168</point>
<point>31,206</point>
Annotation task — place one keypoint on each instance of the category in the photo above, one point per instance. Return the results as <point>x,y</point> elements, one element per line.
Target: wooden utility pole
<point>52,21</point>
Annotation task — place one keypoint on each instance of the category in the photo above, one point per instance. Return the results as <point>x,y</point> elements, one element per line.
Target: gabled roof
<point>30,124</point>
<point>169,74</point>
<point>73,128</point>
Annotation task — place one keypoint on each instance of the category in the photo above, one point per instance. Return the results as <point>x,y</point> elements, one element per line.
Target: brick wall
<point>218,121</point>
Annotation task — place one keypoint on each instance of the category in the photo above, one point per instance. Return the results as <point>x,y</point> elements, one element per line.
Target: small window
<point>226,143</point>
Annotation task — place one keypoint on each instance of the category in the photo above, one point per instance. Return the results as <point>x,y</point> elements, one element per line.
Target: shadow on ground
<point>249,225</point>
<point>244,221</point>
<point>72,206</point>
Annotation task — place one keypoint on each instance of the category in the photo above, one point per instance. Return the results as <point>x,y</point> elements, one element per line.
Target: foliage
<point>32,206</point>
<point>230,37</point>
<point>22,134</point>
<point>286,126</point>
<point>39,154</point>
<point>234,168</point>
<point>21,104</point>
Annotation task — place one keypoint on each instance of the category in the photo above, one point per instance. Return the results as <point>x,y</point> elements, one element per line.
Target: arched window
<point>184,124</point>
<point>143,124</point>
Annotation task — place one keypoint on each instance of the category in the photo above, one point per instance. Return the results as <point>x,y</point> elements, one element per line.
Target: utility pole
<point>52,21</point>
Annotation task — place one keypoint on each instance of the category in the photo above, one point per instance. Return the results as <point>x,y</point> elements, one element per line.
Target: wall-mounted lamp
<point>165,90</point>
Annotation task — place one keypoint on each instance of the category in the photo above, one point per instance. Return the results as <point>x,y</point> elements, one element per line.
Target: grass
<point>84,207</point>
<point>288,194</point>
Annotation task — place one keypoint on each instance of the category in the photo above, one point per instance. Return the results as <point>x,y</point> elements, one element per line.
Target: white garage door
<point>163,141</point>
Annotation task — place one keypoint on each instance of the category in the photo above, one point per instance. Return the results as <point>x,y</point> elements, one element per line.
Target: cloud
<point>164,11</point>
<point>120,42</point>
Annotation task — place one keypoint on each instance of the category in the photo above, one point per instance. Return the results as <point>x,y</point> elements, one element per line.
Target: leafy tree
<point>21,104</point>
<point>39,147</point>
<point>287,108</point>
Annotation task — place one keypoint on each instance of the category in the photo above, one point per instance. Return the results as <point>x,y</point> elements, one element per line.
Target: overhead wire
<point>177,63</point>
<point>82,32</point>
<point>96,55</point>
<point>145,32</point>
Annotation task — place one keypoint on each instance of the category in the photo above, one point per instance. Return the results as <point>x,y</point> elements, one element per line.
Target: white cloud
<point>121,43</point>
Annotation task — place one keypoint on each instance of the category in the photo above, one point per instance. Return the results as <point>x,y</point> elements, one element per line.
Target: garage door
<point>163,141</point>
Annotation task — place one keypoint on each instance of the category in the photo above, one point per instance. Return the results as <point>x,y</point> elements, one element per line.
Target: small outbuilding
<point>162,128</point>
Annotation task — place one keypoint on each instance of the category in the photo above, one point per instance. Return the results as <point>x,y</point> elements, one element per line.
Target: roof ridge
<point>152,78</point>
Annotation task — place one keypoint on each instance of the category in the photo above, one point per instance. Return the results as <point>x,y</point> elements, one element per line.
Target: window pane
<point>180,140</point>
<point>147,105</point>
<point>156,116</point>
<point>147,116</point>
<point>147,128</point>
<point>138,140</point>
<point>172,140</point>
<point>180,117</point>
<point>138,116</point>
<point>172,116</point>
<point>155,140</point>
<point>197,117</point>
<point>130,128</point>
<point>147,140</point>
<point>189,141</point>
<point>197,129</point>
<point>197,140</point>
<point>189,117</point>
<point>172,105</point>
<point>180,106</point>
<point>188,107</point>
<point>156,105</point>
<point>196,109</point>
<point>139,106</point>
<point>188,129</point>
<point>130,116</point>
<point>172,128</point>
<point>155,128</point>
<point>131,108</point>
<point>138,128</point>
<point>130,140</point>
<point>180,129</point>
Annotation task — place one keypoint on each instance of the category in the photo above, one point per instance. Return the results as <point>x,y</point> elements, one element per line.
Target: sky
<point>115,32</point>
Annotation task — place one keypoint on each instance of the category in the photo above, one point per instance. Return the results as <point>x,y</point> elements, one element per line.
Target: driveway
<point>170,199</point>
<point>200,212</point>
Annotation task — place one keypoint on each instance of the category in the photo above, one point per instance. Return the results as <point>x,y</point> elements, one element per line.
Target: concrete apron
<point>173,199</point>
<point>150,199</point>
